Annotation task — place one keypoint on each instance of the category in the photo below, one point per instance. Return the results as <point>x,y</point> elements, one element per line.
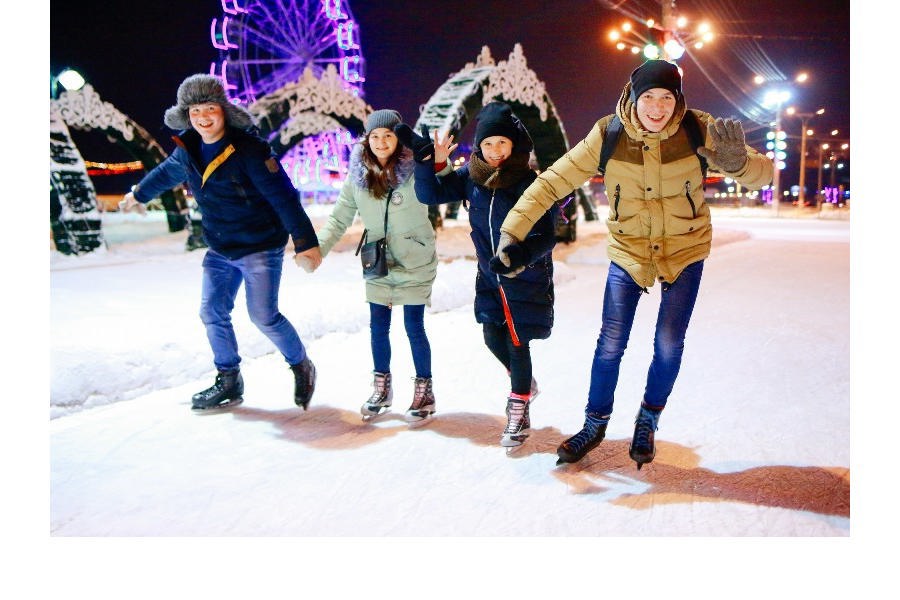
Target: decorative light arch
<point>84,110</point>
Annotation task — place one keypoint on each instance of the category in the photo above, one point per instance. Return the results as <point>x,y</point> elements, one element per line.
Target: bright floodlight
<point>776,98</point>
<point>71,80</point>
<point>651,51</point>
<point>674,49</point>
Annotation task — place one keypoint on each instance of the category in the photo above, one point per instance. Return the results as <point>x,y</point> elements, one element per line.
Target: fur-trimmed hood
<point>357,170</point>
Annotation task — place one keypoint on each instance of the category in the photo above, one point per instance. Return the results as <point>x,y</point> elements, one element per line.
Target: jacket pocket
<point>629,226</point>
<point>681,225</point>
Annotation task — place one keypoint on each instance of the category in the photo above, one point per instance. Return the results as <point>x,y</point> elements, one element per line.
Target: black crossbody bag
<point>373,255</point>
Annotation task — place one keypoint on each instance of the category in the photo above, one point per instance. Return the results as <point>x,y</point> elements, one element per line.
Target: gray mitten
<point>729,153</point>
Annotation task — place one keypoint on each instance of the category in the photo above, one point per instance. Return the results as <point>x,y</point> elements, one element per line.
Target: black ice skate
<point>590,436</point>
<point>643,446</point>
<point>226,392</point>
<point>304,382</point>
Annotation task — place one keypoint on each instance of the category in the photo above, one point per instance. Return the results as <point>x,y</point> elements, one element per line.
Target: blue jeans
<point>261,274</point>
<point>414,321</point>
<point>619,305</point>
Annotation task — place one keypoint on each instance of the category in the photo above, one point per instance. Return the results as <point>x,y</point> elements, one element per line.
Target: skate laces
<point>644,428</point>
<point>422,395</point>
<point>517,415</point>
<point>584,437</point>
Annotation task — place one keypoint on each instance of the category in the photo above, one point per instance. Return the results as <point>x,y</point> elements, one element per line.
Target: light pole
<point>804,118</point>
<point>776,98</point>
<point>822,149</point>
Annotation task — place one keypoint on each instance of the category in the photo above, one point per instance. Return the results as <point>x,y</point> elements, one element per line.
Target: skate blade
<point>218,408</point>
<point>415,421</point>
<point>371,416</point>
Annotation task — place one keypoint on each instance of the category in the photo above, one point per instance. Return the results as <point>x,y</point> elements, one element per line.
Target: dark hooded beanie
<point>655,74</point>
<point>199,89</point>
<point>496,118</point>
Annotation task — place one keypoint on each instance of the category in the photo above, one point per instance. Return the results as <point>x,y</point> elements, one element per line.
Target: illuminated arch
<point>85,111</point>
<point>458,100</point>
<point>307,107</point>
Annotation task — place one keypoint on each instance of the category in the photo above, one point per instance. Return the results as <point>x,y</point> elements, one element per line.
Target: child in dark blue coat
<point>513,304</point>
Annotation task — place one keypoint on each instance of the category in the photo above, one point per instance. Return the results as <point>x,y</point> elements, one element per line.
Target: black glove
<point>421,145</point>
<point>518,257</point>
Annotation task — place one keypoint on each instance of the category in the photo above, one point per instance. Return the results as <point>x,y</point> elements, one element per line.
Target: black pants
<point>516,359</point>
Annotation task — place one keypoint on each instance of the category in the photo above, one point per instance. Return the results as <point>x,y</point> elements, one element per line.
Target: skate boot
<point>518,422</point>
<point>423,405</point>
<point>380,400</point>
<point>226,392</point>
<point>590,436</point>
<point>304,382</point>
<point>643,448</point>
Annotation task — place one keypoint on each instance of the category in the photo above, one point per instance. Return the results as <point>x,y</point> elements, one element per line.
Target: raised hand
<point>421,145</point>
<point>729,149</point>
<point>443,147</point>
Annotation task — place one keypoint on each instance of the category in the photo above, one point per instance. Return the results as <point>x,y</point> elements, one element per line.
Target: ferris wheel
<point>264,44</point>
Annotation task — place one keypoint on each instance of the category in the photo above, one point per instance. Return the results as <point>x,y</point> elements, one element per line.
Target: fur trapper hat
<point>497,118</point>
<point>199,89</point>
<point>655,74</point>
<point>385,118</point>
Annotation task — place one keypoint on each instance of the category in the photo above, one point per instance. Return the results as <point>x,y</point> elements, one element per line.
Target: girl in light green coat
<point>381,178</point>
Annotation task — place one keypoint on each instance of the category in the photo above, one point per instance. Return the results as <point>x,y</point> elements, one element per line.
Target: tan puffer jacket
<point>658,221</point>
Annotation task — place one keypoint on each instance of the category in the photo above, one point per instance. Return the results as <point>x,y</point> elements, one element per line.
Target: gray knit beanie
<point>385,117</point>
<point>199,89</point>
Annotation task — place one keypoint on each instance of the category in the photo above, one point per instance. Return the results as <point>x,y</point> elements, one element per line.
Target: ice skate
<point>643,444</point>
<point>518,423</point>
<point>382,396</point>
<point>591,434</point>
<point>227,392</point>
<point>423,405</point>
<point>304,382</point>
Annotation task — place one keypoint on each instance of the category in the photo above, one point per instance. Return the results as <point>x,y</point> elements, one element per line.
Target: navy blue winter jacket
<point>247,202</point>
<point>529,295</point>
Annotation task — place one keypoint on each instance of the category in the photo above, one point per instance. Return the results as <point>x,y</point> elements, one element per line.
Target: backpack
<point>614,129</point>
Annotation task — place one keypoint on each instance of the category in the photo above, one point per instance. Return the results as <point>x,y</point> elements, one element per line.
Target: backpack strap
<point>691,125</point>
<point>610,139</point>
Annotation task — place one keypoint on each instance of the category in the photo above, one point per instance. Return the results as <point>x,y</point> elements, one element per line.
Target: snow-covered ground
<point>755,442</point>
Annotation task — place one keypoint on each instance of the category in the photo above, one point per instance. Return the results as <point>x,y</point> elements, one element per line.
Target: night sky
<point>136,53</point>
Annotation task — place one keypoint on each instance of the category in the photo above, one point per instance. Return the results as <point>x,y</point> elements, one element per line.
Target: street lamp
<point>804,118</point>
<point>667,39</point>
<point>70,79</point>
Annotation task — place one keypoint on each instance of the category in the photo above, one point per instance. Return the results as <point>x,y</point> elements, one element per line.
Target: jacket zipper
<point>616,196</point>
<point>507,311</point>
<point>687,192</point>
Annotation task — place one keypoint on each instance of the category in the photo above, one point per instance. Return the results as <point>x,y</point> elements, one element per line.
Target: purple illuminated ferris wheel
<point>265,44</point>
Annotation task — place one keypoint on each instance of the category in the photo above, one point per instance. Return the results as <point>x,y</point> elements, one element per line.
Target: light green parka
<point>658,220</point>
<point>411,256</point>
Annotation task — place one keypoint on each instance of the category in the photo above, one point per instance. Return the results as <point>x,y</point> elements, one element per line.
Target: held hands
<point>129,203</point>
<point>511,257</point>
<point>421,145</point>
<point>309,260</point>
<point>727,138</point>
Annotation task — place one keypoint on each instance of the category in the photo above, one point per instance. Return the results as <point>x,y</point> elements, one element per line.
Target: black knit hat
<point>655,74</point>
<point>385,117</point>
<point>200,89</point>
<point>496,118</point>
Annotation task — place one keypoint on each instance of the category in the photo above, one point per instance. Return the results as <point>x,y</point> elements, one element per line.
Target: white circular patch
<point>396,198</point>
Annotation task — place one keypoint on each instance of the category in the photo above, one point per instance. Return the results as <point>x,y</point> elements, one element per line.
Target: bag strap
<point>691,125</point>
<point>362,240</point>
